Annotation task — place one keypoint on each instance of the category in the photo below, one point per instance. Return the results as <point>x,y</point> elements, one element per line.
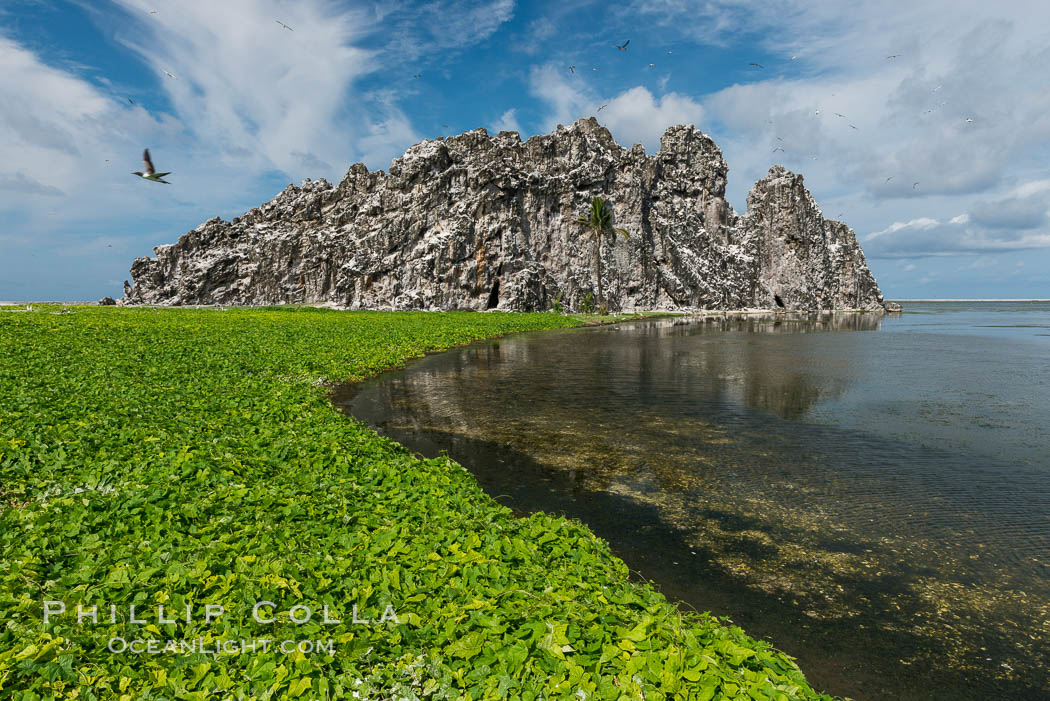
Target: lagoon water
<point>870,493</point>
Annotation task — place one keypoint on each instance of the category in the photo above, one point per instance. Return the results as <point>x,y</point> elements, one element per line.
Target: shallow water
<point>870,493</point>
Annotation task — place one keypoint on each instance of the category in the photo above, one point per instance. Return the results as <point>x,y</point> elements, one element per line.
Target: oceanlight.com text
<point>200,646</point>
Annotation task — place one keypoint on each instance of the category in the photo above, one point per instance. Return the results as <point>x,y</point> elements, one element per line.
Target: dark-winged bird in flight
<point>151,172</point>
<point>624,47</point>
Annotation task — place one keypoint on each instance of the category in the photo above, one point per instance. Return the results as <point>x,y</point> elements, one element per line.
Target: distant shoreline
<point>39,301</point>
<point>888,299</point>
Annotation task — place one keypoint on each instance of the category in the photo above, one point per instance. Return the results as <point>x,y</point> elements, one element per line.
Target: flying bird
<point>888,179</point>
<point>756,65</point>
<point>418,75</point>
<point>893,56</point>
<point>817,112</point>
<point>594,69</point>
<point>170,75</point>
<point>669,51</point>
<point>793,58</point>
<point>572,69</point>
<point>914,185</point>
<point>602,107</point>
<point>853,127</point>
<point>969,121</point>
<point>151,173</point>
<point>153,12</point>
<point>838,114</point>
<point>284,25</point>
<point>651,65</point>
<point>131,101</point>
<point>778,148</point>
<point>624,47</point>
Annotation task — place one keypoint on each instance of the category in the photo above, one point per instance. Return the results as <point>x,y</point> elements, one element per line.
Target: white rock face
<point>489,222</point>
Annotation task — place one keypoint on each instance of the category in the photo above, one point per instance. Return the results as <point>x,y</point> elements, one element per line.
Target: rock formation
<point>489,222</point>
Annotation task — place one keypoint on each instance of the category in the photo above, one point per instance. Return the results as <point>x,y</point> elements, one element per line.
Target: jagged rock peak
<point>476,221</point>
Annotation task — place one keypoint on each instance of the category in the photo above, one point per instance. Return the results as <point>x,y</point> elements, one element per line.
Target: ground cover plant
<point>189,459</point>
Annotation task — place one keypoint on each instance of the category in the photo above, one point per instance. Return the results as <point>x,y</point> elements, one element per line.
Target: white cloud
<point>415,31</point>
<point>921,224</point>
<point>634,116</point>
<point>257,92</point>
<point>538,32</point>
<point>961,235</point>
<point>23,184</point>
<point>567,95</point>
<point>717,22</point>
<point>508,121</point>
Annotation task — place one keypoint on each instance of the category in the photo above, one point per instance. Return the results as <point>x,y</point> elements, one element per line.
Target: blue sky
<point>943,206</point>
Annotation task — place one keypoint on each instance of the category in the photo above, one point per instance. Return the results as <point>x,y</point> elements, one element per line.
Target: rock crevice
<point>489,222</point>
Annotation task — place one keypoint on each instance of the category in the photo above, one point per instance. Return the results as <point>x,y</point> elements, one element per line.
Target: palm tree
<point>598,222</point>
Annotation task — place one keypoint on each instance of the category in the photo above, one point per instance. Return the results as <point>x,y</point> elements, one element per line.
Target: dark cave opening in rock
<point>493,296</point>
<point>780,302</point>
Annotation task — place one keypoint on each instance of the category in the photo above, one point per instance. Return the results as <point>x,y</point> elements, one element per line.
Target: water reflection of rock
<point>783,322</point>
<point>571,386</point>
<point>564,399</point>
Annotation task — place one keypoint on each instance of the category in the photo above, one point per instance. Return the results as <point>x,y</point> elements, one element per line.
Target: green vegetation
<point>598,222</point>
<point>191,457</point>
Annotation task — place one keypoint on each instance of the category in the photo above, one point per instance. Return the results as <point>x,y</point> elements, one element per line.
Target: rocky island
<point>478,222</point>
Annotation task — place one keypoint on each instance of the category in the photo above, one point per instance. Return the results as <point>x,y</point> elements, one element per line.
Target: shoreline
<point>336,307</point>
<point>633,313</point>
